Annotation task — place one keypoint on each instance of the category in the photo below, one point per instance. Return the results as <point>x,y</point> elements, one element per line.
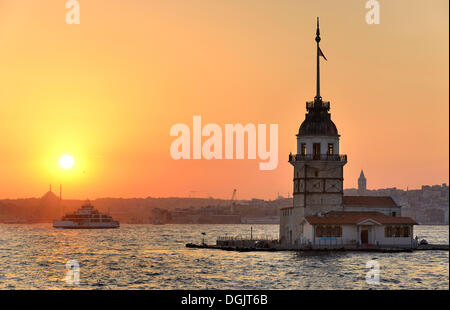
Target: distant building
<point>422,204</point>
<point>49,207</point>
<point>321,215</point>
<point>362,181</point>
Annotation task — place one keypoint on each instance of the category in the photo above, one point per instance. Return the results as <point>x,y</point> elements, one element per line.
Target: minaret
<point>318,166</point>
<point>362,183</point>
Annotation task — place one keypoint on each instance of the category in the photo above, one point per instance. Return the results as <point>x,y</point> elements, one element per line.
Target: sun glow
<point>66,161</point>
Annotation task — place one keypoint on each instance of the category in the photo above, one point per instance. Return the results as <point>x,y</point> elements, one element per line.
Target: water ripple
<point>154,257</point>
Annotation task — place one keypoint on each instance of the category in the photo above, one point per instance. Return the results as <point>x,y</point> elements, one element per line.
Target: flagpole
<point>318,98</point>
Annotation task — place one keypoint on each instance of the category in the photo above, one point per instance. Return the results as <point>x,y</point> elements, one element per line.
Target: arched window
<point>337,231</point>
<point>318,231</point>
<point>329,231</point>
<point>398,231</point>
<point>406,231</point>
<point>388,231</point>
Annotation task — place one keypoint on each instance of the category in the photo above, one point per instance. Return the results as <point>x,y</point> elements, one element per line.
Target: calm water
<point>155,257</point>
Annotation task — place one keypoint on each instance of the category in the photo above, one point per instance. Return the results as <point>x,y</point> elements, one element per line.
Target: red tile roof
<point>342,218</point>
<point>369,201</point>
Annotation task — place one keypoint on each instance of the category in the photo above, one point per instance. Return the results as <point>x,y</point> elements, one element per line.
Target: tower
<point>362,183</point>
<point>318,166</point>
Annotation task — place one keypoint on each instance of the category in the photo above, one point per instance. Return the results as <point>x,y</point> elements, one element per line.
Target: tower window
<point>303,149</point>
<point>330,148</point>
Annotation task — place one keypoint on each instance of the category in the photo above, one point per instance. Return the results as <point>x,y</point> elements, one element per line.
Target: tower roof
<point>318,123</point>
<point>361,176</point>
<point>318,120</point>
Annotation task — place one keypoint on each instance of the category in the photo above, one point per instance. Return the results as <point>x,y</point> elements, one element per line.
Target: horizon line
<point>218,198</point>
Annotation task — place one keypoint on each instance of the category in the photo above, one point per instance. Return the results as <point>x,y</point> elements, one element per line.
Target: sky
<point>107,92</point>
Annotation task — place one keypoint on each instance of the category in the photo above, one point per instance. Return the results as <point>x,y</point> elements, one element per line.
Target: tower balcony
<point>319,104</point>
<point>323,157</point>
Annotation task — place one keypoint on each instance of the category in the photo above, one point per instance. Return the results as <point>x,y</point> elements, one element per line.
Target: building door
<point>364,236</point>
<point>316,150</point>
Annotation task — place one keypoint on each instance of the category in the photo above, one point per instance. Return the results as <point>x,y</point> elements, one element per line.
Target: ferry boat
<point>86,218</point>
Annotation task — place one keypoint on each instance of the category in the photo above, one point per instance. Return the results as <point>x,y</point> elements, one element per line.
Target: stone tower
<point>362,183</point>
<point>318,166</point>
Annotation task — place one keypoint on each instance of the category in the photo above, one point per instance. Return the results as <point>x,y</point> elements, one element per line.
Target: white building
<point>321,215</point>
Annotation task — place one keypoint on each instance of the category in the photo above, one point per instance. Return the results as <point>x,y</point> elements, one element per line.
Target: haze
<point>107,92</point>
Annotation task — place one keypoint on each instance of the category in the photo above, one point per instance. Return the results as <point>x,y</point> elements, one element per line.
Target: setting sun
<point>66,161</point>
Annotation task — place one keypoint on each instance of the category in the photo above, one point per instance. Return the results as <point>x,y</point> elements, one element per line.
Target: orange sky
<point>107,91</point>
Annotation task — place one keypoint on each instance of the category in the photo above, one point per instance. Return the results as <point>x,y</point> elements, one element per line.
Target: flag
<point>321,54</point>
